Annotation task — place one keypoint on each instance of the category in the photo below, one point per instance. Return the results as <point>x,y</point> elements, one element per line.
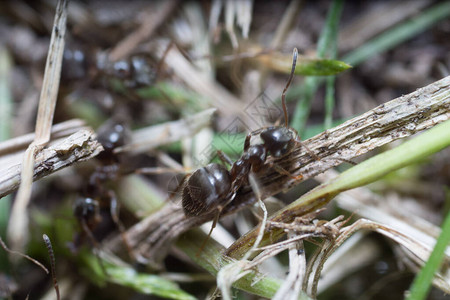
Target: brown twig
<point>18,222</point>
<point>3,245</point>
<point>399,118</point>
<point>60,130</point>
<point>78,147</point>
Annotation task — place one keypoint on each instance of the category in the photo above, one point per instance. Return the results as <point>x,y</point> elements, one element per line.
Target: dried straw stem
<point>399,118</point>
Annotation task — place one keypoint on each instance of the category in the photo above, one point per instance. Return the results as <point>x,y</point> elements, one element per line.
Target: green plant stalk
<point>433,140</point>
<point>211,258</point>
<point>399,34</point>
<point>329,97</point>
<point>379,44</point>
<point>422,283</point>
<point>329,102</point>
<point>326,46</point>
<point>5,133</point>
<point>305,66</point>
<point>327,38</point>
<point>147,284</point>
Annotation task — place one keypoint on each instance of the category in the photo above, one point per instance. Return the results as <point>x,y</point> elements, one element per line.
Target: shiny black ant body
<point>135,71</point>
<point>213,187</point>
<point>97,196</point>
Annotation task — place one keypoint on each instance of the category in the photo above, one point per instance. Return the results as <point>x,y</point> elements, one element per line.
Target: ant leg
<point>215,221</point>
<point>298,141</point>
<point>224,158</point>
<point>247,141</point>
<point>285,172</point>
<point>114,211</point>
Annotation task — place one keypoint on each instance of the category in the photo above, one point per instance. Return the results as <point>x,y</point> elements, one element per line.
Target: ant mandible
<point>214,187</point>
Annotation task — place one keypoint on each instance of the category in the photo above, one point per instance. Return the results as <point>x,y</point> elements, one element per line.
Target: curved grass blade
<point>422,283</point>
<point>432,141</point>
<point>305,66</point>
<point>147,284</point>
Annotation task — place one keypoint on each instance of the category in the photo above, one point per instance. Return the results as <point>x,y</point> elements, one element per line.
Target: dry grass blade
<point>60,130</point>
<point>297,266</point>
<point>399,118</point>
<point>151,137</point>
<point>152,21</point>
<point>198,81</point>
<point>382,17</point>
<point>285,23</point>
<point>238,269</point>
<point>365,203</point>
<point>78,147</point>
<point>18,222</point>
<point>418,250</point>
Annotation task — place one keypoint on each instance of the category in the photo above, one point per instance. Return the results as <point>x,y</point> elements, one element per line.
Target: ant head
<point>283,95</point>
<point>86,209</point>
<point>279,141</point>
<point>112,136</point>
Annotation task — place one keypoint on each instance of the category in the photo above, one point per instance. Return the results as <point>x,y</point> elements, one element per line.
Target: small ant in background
<point>97,196</point>
<point>213,187</point>
<point>135,71</point>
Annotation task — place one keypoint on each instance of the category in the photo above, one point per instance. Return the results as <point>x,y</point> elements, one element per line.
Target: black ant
<point>96,195</point>
<point>135,71</point>
<point>213,187</point>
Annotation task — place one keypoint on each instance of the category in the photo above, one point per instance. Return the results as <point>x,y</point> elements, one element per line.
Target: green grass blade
<point>422,283</point>
<point>329,102</point>
<point>379,44</point>
<point>399,34</point>
<point>326,45</point>
<point>5,133</point>
<point>147,284</point>
<point>321,67</point>
<point>327,38</point>
<point>305,65</point>
<point>414,150</point>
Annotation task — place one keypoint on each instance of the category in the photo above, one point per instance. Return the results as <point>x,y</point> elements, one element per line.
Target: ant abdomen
<point>206,189</point>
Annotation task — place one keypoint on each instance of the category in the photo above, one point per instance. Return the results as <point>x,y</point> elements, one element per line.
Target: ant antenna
<point>48,244</point>
<point>283,95</point>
